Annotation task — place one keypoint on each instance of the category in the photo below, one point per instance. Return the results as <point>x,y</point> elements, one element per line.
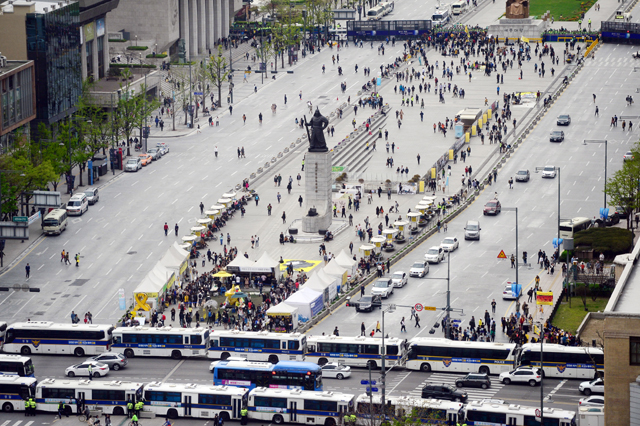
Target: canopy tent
<point>285,317</point>
<point>237,263</point>
<point>242,265</point>
<point>347,262</point>
<point>335,270</point>
<point>176,259</point>
<point>151,291</point>
<point>308,302</point>
<point>328,289</point>
<point>330,279</point>
<point>267,261</point>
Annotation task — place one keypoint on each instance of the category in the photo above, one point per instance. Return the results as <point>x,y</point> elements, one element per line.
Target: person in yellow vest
<point>33,407</point>
<point>134,420</point>
<point>27,407</point>
<point>139,405</point>
<point>352,418</point>
<point>129,408</point>
<point>243,416</point>
<point>346,420</point>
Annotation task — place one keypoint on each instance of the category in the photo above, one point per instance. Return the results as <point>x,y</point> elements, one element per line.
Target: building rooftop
<point>40,5</point>
<point>7,66</point>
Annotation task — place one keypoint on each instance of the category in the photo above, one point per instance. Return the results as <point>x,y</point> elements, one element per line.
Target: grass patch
<point>157,55</point>
<point>570,10</point>
<point>137,48</point>
<point>117,40</point>
<point>569,318</point>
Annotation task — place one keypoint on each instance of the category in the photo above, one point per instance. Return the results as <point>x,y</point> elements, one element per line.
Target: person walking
<point>27,269</point>
<point>362,329</point>
<point>403,328</point>
<point>493,306</point>
<point>77,260</point>
<point>176,229</point>
<point>90,369</point>
<point>417,318</point>
<point>284,217</point>
<point>166,229</point>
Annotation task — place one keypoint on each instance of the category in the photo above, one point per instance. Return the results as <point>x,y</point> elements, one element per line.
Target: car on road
<point>592,401</point>
<point>492,207</point>
<point>450,244</point>
<point>474,380</point>
<point>523,175</point>
<point>419,269</point>
<point>114,360</point>
<point>622,212</point>
<point>383,287</point>
<point>556,136</point>
<point>528,375</point>
<point>434,255</point>
<point>399,279</point>
<point>146,159</point>
<point>335,371</point>
<point>549,172</point>
<point>155,153</point>
<point>592,386</point>
<point>612,219</point>
<point>472,230</point>
<point>98,369</point>
<point>507,293</point>
<point>163,147</point>
<point>133,165</point>
<point>447,392</point>
<point>563,120</point>
<point>366,303</point>
<point>628,156</point>
<point>92,195</point>
<point>77,204</point>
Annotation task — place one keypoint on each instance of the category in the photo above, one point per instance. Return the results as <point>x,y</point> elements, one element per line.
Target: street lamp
<point>541,338</point>
<point>383,372</point>
<point>606,149</point>
<point>515,209</point>
<point>557,169</point>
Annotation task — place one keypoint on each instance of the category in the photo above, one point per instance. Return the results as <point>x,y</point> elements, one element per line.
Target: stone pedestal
<point>317,173</point>
<point>516,28</point>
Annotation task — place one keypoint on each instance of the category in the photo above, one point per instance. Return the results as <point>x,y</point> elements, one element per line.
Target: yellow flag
<point>466,29</point>
<point>524,39</point>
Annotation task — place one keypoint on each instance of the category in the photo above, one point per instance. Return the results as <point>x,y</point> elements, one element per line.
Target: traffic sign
<point>197,93</point>
<point>366,382</point>
<point>538,414</point>
<point>455,321</point>
<point>372,389</point>
<point>418,307</point>
<point>430,308</point>
<point>20,219</point>
<point>502,255</point>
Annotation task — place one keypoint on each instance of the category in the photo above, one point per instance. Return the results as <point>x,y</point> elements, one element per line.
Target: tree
<point>218,70</point>
<point>622,188</point>
<point>129,108</point>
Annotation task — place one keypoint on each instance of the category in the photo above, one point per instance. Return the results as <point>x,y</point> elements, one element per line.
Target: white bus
<point>14,391</point>
<point>258,346</point>
<point>428,411</point>
<point>44,337</point>
<point>162,342</point>
<point>357,351</point>
<point>570,226</point>
<point>338,34</point>
<point>3,331</point>
<point>375,13</point>
<point>440,354</point>
<point>387,6</point>
<point>175,400</point>
<point>55,222</point>
<point>16,365</point>
<point>298,406</point>
<point>440,17</point>
<point>567,362</point>
<point>112,397</point>
<point>459,7</point>
<point>496,412</point>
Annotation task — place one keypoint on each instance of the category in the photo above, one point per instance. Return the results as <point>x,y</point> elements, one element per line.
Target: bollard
<point>489,113</point>
<point>473,129</point>
<point>466,137</point>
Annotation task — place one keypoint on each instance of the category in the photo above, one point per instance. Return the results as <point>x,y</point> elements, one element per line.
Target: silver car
<point>155,153</point>
<point>399,279</point>
<point>92,195</point>
<point>114,360</point>
<point>133,165</point>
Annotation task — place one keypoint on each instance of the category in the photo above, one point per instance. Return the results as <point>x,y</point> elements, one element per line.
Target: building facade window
<point>101,57</point>
<point>634,350</point>
<point>89,49</point>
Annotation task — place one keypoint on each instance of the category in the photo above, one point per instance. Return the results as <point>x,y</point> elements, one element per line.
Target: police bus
<point>191,400</point>
<point>258,345</point>
<point>444,355</point>
<point>112,397</point>
<point>566,362</point>
<point>44,337</point>
<point>3,330</point>
<point>162,342</point>
<point>14,391</point>
<point>428,411</point>
<point>16,365</point>
<point>283,375</point>
<point>299,406</point>
<point>496,412</point>
<point>359,351</point>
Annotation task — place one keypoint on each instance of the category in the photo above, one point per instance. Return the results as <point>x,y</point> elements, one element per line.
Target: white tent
<point>308,302</point>
<point>328,289</point>
<point>335,270</point>
<point>329,279</point>
<point>347,262</point>
<point>283,310</point>
<point>267,261</point>
<point>176,259</point>
<point>237,264</point>
<point>149,294</point>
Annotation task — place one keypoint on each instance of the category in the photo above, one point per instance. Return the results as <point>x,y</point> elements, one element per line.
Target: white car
<point>507,293</point>
<point>335,371</point>
<point>133,165</point>
<point>627,156</point>
<point>419,269</point>
<point>434,255</point>
<point>592,401</point>
<point>449,244</point>
<point>593,386</point>
<point>549,172</point>
<point>399,279</point>
<point>163,147</point>
<point>528,375</point>
<point>98,369</point>
<point>382,287</point>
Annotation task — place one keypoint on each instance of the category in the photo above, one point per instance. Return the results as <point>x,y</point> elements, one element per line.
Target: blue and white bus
<point>565,362</point>
<point>14,391</point>
<point>45,338</point>
<point>257,345</point>
<point>161,341</point>
<point>3,330</point>
<point>359,351</point>
<point>283,375</point>
<point>16,365</point>
<point>299,406</point>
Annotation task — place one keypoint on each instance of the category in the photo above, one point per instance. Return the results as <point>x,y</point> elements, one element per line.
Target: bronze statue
<point>318,124</point>
<point>517,9</point>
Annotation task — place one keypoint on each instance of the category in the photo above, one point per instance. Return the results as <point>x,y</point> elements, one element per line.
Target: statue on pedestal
<point>318,124</point>
<point>517,9</point>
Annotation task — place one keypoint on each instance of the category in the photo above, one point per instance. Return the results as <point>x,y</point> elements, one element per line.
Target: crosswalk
<point>450,379</point>
<point>16,423</point>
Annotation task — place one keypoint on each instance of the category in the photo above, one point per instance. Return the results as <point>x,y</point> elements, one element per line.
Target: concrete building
<point>161,23</point>
<point>17,99</point>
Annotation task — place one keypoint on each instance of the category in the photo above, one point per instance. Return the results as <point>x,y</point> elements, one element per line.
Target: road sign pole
<point>370,394</point>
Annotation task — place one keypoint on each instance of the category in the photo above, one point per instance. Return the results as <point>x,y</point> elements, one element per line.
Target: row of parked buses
<point>378,12</point>
<point>420,353</point>
<point>278,406</point>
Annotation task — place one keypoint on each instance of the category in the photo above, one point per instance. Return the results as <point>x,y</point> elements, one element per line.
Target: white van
<point>472,230</point>
<point>78,204</point>
<point>459,7</point>
<point>440,17</point>
<point>55,222</point>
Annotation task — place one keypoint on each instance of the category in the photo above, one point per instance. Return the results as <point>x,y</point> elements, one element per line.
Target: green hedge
<point>137,48</point>
<point>131,66</point>
<point>610,241</point>
<point>157,55</point>
<point>117,40</point>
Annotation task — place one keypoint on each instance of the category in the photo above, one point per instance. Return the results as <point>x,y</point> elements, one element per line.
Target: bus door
<point>453,418</point>
<point>81,396</point>
<point>512,421</point>
<point>236,408</point>
<point>186,404</point>
<point>293,411</point>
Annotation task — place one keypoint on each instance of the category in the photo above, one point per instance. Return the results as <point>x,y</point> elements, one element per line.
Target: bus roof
<point>574,221</point>
<point>553,347</point>
<point>20,358</point>
<point>55,213</point>
<point>441,341</point>
<point>299,393</point>
<point>61,326</point>
<point>257,334</point>
<point>365,340</point>
<point>409,401</point>
<point>162,330</point>
<point>193,387</point>
<point>10,379</point>
<point>89,384</point>
<point>297,366</point>
<point>256,365</point>
<point>518,409</point>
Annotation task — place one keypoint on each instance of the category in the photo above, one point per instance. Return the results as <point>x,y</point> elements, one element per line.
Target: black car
<point>622,213</point>
<point>443,392</point>
<point>367,303</point>
<point>564,120</point>
<point>613,219</point>
<point>556,136</point>
<point>474,380</point>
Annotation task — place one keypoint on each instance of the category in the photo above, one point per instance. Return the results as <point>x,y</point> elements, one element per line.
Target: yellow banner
<point>544,298</point>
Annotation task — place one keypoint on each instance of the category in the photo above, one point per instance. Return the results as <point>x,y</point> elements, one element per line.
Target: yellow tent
<point>222,274</point>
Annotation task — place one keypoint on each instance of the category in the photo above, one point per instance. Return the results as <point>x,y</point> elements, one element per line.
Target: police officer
<point>129,408</point>
<point>27,407</point>
<point>61,410</point>
<point>352,418</point>
<point>243,416</point>
<point>138,407</point>
<point>33,407</point>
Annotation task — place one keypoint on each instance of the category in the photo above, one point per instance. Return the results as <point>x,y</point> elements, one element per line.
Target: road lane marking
<point>173,370</point>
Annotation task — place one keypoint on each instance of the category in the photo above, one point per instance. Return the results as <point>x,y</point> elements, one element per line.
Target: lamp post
<point>555,169</point>
<point>541,325</point>
<point>606,149</point>
<point>511,209</point>
<point>383,372</point>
